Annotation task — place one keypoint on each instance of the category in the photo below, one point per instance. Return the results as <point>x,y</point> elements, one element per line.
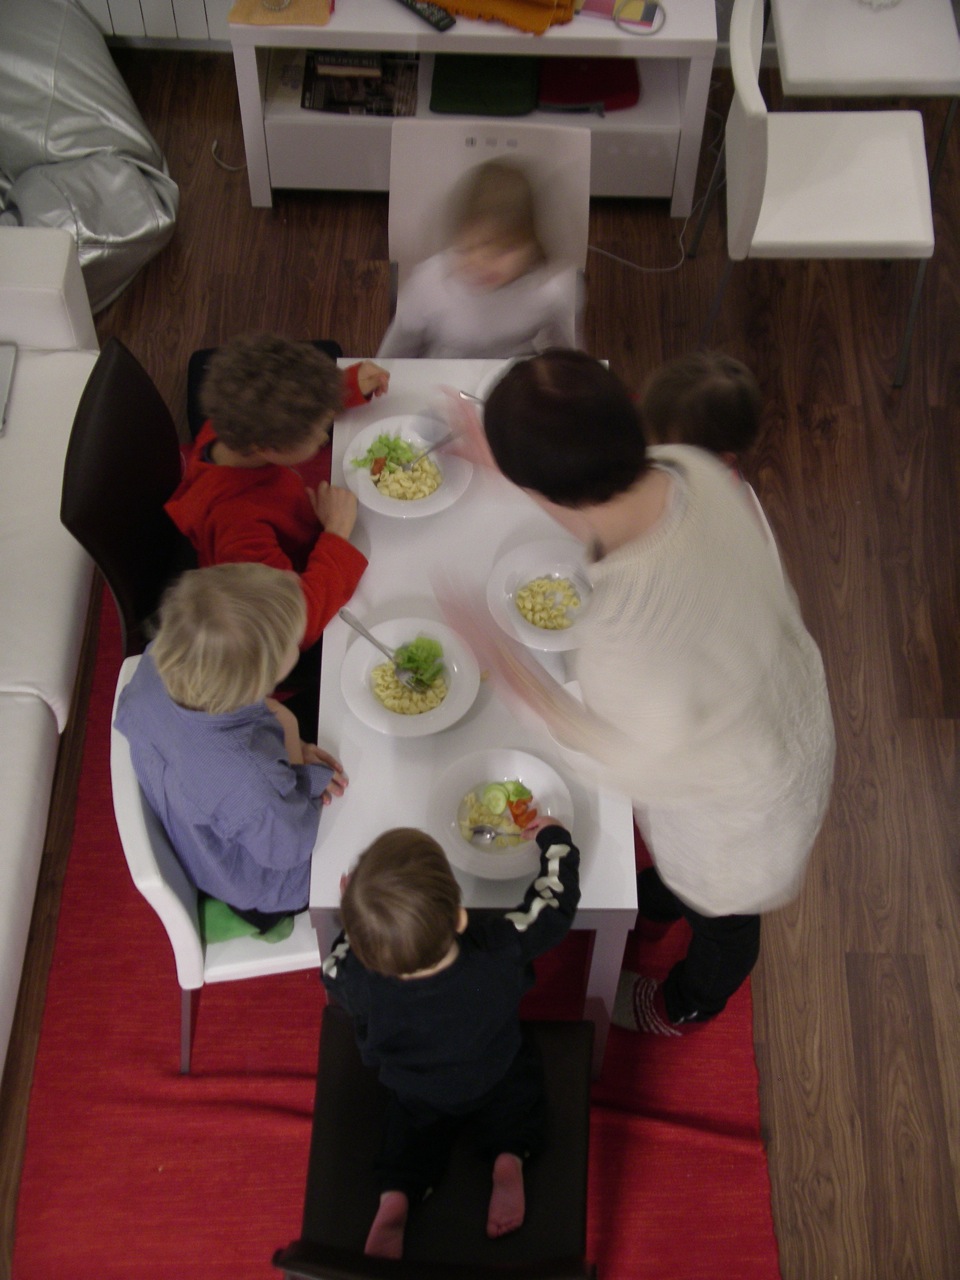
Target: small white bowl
<point>419,431</point>
<point>550,558</point>
<point>550,796</point>
<point>462,676</point>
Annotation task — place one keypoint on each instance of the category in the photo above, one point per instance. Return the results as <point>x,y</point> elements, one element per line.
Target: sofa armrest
<point>43,299</point>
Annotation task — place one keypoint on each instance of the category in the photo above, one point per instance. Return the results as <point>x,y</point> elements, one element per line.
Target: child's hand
<point>538,823</point>
<point>371,379</point>
<point>312,754</point>
<point>335,508</point>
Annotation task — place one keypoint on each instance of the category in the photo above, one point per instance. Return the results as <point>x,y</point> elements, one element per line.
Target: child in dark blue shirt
<point>435,996</point>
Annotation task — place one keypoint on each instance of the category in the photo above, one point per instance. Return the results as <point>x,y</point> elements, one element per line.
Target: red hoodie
<point>263,514</point>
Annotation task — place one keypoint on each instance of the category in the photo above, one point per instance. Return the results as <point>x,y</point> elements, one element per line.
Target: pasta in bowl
<point>377,699</point>
<point>539,593</point>
<point>433,484</point>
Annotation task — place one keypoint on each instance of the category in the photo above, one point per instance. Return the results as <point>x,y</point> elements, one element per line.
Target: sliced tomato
<point>377,466</point>
<point>521,812</point>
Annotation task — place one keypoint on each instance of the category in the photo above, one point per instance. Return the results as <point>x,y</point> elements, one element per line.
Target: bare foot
<point>386,1235</point>
<point>507,1201</point>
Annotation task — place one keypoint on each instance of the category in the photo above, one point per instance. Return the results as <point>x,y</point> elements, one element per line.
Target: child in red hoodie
<point>248,492</point>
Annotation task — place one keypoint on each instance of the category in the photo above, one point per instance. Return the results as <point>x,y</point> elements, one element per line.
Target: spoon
<point>485,833</point>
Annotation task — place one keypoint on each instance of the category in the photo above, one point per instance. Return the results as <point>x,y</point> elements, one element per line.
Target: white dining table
<point>391,777</point>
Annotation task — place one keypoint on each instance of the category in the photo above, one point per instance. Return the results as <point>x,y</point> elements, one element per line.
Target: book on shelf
<point>346,62</point>
<point>391,93</point>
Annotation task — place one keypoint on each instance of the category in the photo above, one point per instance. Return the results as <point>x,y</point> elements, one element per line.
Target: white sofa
<point>45,576</point>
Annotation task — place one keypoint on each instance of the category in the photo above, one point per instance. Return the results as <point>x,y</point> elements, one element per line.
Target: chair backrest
<point>428,157</point>
<point>123,462</point>
<point>154,867</point>
<point>745,139</point>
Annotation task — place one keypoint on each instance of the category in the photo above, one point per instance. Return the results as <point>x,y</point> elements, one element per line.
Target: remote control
<point>432,13</point>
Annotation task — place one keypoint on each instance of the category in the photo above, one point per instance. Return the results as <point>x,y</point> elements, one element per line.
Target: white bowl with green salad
<point>373,467</point>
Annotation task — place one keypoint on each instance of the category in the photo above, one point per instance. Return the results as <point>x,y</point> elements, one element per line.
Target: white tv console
<point>650,150</point>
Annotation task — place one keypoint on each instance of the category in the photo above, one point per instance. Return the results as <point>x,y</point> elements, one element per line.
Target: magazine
<point>392,93</point>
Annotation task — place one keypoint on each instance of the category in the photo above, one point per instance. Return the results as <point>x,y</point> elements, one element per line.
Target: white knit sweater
<point>713,695</point>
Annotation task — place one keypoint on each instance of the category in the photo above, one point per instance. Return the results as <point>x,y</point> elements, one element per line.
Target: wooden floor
<point>857,1007</point>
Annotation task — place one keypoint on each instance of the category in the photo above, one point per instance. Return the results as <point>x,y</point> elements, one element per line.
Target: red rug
<point>135,1173</point>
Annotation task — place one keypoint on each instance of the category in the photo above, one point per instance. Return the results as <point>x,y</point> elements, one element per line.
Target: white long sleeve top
<point>441,317</point>
<point>713,693</point>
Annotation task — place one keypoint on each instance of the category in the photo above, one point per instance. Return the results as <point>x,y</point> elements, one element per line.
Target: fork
<point>405,676</point>
<point>408,466</point>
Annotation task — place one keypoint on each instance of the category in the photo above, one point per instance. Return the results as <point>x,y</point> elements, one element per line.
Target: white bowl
<point>420,431</point>
<point>550,795</point>
<point>549,558</point>
<point>462,677</point>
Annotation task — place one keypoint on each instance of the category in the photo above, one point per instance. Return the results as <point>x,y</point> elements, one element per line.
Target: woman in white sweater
<point>704,696</point>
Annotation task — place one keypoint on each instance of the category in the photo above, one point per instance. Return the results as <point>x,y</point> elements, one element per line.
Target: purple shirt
<point>242,820</point>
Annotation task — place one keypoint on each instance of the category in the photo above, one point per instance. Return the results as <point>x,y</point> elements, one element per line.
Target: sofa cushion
<point>28,757</point>
<point>45,576</point>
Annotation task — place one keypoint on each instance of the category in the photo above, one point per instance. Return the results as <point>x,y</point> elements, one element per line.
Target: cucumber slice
<point>494,797</point>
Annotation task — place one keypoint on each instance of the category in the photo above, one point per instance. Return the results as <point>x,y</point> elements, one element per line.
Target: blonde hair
<point>401,906</point>
<point>498,194</point>
<point>224,633</point>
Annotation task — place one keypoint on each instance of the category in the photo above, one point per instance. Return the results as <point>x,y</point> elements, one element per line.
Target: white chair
<point>157,873</point>
<point>428,157</point>
<point>820,184</point>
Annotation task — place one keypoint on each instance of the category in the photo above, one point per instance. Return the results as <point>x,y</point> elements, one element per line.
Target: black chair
<point>197,368</point>
<point>445,1237</point>
<point>123,462</point>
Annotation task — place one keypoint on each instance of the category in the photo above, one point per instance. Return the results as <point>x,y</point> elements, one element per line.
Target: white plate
<point>462,677</point>
<point>550,795</point>
<point>549,558</point>
<point>421,432</point>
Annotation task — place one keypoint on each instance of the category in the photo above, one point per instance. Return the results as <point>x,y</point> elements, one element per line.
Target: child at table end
<point>219,761</point>
<point>269,405</point>
<point>706,399</point>
<point>493,291</point>
<point>447,1039</point>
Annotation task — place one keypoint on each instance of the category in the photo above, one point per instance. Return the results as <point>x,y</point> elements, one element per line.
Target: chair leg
<point>188,1018</point>
<point>708,199</point>
<point>901,372</point>
<point>715,308</point>
<point>942,145</point>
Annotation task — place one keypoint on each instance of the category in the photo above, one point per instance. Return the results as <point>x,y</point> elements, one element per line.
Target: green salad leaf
<point>394,449</point>
<point>423,656</point>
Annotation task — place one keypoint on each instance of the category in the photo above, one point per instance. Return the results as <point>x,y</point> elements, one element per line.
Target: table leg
<point>250,91</point>
<point>610,929</point>
<point>694,95</point>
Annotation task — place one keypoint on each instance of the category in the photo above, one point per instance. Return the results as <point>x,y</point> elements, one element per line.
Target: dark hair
<point>564,426</point>
<point>705,399</point>
<point>401,906</point>
<point>265,392</point>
